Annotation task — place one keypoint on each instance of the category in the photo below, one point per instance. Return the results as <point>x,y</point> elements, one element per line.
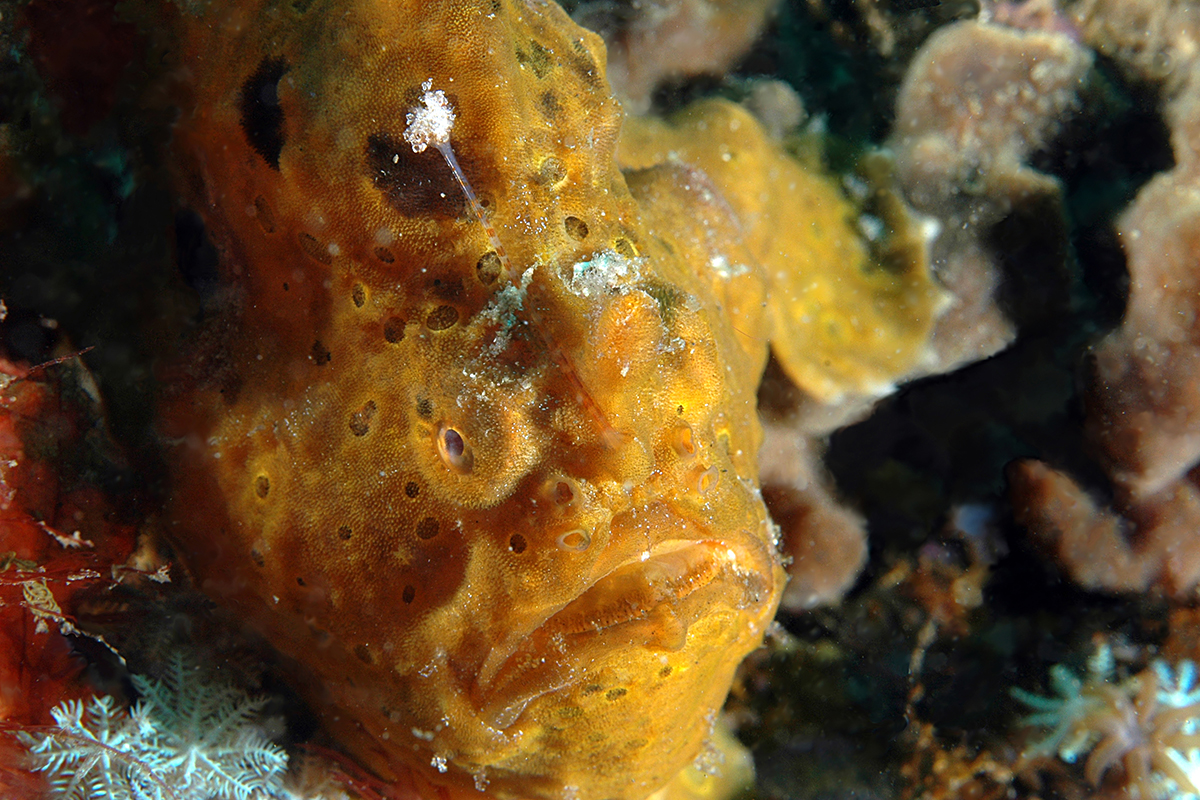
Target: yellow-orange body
<point>514,557</point>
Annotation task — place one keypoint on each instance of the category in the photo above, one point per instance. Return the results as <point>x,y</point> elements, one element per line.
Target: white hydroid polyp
<point>430,122</point>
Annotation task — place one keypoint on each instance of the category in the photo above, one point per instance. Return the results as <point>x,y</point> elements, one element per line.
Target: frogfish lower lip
<point>648,601</point>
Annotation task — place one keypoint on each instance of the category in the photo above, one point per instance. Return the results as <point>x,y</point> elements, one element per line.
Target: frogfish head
<point>504,521</point>
<point>483,571</point>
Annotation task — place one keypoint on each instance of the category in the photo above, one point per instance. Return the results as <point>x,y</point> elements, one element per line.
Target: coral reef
<point>826,542</point>
<point>493,421</point>
<point>977,101</point>
<point>1141,405</point>
<point>64,546</point>
<point>1146,724</point>
<point>60,539</point>
<point>190,737</point>
<point>652,42</point>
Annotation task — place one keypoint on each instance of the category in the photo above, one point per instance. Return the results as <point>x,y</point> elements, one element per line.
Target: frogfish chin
<point>489,482</point>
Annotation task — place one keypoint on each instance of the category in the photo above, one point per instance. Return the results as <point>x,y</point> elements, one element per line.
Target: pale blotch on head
<point>430,122</point>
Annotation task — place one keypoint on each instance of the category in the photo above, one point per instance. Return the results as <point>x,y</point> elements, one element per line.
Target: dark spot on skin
<point>584,65</point>
<point>300,582</point>
<point>344,533</point>
<point>360,421</point>
<point>486,203</point>
<point>411,489</point>
<point>262,213</point>
<point>359,295</point>
<point>516,543</point>
<point>262,486</point>
<point>362,653</point>
<point>261,114</point>
<point>409,593</point>
<point>551,108</point>
<point>577,229</point>
<point>427,528</point>
<point>414,184</point>
<point>384,255</point>
<point>668,297</point>
<point>536,58</point>
<point>563,494</point>
<point>551,172</point>
<point>625,247</point>
<point>257,558</point>
<point>591,688</point>
<point>313,249</point>
<point>488,268</point>
<point>393,329</point>
<point>615,694</point>
<point>231,389</point>
<point>320,354</point>
<point>445,288</point>
<point>665,671</point>
<point>425,407</point>
<point>441,318</point>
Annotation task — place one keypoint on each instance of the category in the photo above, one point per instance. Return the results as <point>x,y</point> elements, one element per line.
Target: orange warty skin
<point>509,526</point>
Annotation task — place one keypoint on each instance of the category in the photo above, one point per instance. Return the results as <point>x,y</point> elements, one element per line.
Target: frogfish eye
<point>454,451</point>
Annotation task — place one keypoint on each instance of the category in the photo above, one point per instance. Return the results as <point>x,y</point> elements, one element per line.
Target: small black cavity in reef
<point>262,116</point>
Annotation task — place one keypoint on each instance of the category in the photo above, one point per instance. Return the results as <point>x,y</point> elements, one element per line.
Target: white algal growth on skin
<point>429,123</point>
<point>604,272</point>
